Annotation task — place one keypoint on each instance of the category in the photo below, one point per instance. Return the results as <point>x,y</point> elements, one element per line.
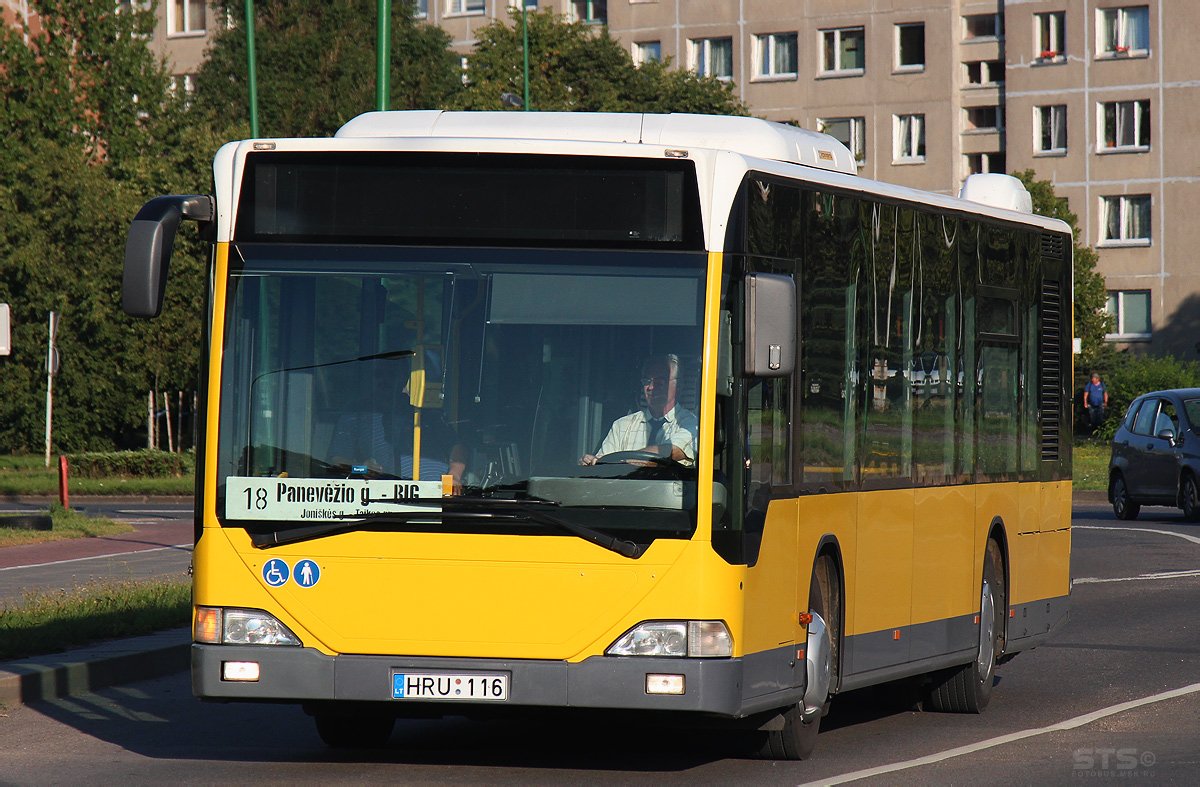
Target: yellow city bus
<point>668,414</point>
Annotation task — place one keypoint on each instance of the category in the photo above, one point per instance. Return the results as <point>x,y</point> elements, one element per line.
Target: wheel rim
<point>819,667</point>
<point>987,631</point>
<point>1119,501</point>
<point>1189,496</point>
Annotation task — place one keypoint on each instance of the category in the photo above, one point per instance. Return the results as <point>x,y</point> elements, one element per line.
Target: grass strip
<point>68,523</point>
<point>49,622</point>
<point>1090,471</point>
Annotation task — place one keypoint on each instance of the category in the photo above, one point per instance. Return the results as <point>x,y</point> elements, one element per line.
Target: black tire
<point>1189,498</point>
<point>27,522</point>
<point>967,689</point>
<point>345,729</point>
<point>1123,506</point>
<point>797,737</point>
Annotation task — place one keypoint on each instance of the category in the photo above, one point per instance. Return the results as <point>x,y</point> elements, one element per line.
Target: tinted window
<point>1144,424</point>
<point>468,199</point>
<point>1191,408</point>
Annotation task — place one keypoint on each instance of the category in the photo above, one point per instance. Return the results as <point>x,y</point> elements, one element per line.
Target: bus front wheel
<point>797,736</point>
<point>967,689</point>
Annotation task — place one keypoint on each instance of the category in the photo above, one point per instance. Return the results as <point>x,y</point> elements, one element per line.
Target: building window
<point>1125,220</point>
<point>466,6</point>
<point>909,136</point>
<point>775,55</point>
<point>529,4</point>
<point>185,17</point>
<point>712,57</point>
<point>645,51</point>
<point>1131,314</point>
<point>910,47</point>
<point>986,162</point>
<point>1050,129</point>
<point>984,73</point>
<point>845,51</point>
<point>595,11</point>
<point>1049,40</point>
<point>851,132</point>
<point>983,118</point>
<point>1123,31</point>
<point>1124,125</point>
<point>983,26</point>
<point>420,8</point>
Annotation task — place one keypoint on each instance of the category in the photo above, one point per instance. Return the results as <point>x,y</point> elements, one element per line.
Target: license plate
<point>443,686</point>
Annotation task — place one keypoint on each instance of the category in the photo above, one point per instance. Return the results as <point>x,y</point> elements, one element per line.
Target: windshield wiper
<point>506,509</point>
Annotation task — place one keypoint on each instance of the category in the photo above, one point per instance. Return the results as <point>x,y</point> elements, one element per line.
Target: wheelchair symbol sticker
<point>275,572</point>
<point>307,573</point>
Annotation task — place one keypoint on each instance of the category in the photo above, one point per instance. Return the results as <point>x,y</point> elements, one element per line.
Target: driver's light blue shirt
<point>628,433</point>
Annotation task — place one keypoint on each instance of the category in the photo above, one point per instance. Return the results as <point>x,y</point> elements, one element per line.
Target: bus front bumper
<point>287,674</point>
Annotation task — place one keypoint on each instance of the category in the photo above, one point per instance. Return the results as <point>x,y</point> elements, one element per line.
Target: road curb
<point>96,667</point>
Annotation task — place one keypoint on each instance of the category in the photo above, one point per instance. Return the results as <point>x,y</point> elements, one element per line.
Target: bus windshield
<point>364,382</point>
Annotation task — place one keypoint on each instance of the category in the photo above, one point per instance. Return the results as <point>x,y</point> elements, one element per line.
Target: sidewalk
<point>87,669</point>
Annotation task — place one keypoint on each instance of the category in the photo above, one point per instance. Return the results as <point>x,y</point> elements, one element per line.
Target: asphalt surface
<point>159,546</point>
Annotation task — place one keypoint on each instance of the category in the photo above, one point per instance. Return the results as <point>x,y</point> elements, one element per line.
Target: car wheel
<point>1123,507</point>
<point>1188,499</point>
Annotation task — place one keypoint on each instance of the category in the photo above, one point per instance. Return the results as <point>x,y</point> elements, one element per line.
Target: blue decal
<point>398,686</point>
<point>306,573</point>
<point>275,572</point>
<point>358,470</point>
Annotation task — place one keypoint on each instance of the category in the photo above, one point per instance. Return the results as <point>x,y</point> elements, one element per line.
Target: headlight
<point>221,626</point>
<point>675,638</point>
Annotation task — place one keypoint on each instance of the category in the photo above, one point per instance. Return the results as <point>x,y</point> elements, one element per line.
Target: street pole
<point>51,370</point>
<point>525,48</point>
<point>252,68</point>
<point>383,55</point>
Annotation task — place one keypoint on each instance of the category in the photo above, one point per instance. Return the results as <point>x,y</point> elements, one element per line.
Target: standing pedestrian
<point>1095,396</point>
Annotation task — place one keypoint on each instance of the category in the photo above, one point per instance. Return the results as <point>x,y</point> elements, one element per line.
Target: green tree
<point>574,66</point>
<point>87,118</point>
<point>316,66</point>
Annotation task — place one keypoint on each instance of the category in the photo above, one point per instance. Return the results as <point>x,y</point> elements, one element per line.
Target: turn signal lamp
<point>207,625</point>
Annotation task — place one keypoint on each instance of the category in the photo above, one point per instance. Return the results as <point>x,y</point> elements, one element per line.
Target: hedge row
<point>132,464</point>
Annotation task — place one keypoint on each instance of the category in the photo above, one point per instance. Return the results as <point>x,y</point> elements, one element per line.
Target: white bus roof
<point>752,137</point>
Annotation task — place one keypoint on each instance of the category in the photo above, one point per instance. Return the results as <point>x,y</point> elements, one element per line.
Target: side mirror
<point>148,250</point>
<point>770,325</point>
<point>1168,435</point>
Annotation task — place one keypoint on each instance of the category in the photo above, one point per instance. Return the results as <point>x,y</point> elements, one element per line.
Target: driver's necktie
<point>654,428</point>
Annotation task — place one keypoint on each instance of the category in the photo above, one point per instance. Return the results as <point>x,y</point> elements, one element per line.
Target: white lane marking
<point>1163,575</point>
<point>1184,536</point>
<point>187,546</point>
<point>153,511</point>
<point>1068,724</point>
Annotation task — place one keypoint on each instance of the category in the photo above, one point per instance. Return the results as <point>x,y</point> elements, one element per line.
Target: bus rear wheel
<point>797,736</point>
<point>967,689</point>
<point>354,728</point>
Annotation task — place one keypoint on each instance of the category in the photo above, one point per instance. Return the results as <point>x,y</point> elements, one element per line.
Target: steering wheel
<point>617,457</point>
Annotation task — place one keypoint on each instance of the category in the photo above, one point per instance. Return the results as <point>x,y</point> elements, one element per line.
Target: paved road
<point>1115,696</point>
<point>159,546</point>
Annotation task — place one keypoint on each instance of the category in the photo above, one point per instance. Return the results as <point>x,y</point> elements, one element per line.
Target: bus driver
<point>660,426</point>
